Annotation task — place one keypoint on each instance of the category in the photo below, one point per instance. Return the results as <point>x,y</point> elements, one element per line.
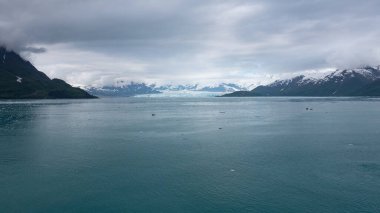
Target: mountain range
<point>19,79</point>
<point>364,81</point>
<point>122,89</point>
<point>126,89</point>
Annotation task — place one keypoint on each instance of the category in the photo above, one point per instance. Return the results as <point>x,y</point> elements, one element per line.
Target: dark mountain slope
<point>372,89</point>
<point>19,79</point>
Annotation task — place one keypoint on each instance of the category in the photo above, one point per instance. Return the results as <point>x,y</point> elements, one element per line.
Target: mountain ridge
<point>122,90</point>
<point>126,89</point>
<point>364,81</point>
<point>19,79</point>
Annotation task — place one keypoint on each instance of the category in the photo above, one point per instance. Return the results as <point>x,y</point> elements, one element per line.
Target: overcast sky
<point>94,42</point>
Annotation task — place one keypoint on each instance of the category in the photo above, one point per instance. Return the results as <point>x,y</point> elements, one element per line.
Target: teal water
<point>194,155</point>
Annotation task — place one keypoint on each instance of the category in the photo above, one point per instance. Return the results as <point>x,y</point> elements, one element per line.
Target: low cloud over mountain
<point>94,42</point>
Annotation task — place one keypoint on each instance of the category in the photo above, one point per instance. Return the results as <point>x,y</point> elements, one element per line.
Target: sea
<point>190,154</point>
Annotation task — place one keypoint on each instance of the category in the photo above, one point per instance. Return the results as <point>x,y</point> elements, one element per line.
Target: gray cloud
<point>89,41</point>
<point>33,49</point>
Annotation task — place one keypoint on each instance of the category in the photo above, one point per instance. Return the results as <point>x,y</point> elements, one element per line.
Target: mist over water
<point>190,155</point>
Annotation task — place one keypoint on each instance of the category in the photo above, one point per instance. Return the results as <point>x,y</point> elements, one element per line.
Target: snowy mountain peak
<point>222,87</point>
<point>363,81</point>
<point>130,88</point>
<point>123,89</point>
<point>366,72</point>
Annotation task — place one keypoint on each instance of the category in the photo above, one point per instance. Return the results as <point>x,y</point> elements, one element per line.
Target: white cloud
<point>95,41</point>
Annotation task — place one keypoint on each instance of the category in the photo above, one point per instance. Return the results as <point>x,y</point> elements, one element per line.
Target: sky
<point>98,42</point>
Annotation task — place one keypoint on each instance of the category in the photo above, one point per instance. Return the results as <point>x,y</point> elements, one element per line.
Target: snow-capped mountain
<point>126,89</point>
<point>368,73</point>
<point>171,87</point>
<point>196,90</point>
<point>123,89</point>
<point>222,87</point>
<point>349,82</point>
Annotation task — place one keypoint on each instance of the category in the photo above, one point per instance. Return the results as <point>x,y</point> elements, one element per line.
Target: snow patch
<point>19,79</point>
